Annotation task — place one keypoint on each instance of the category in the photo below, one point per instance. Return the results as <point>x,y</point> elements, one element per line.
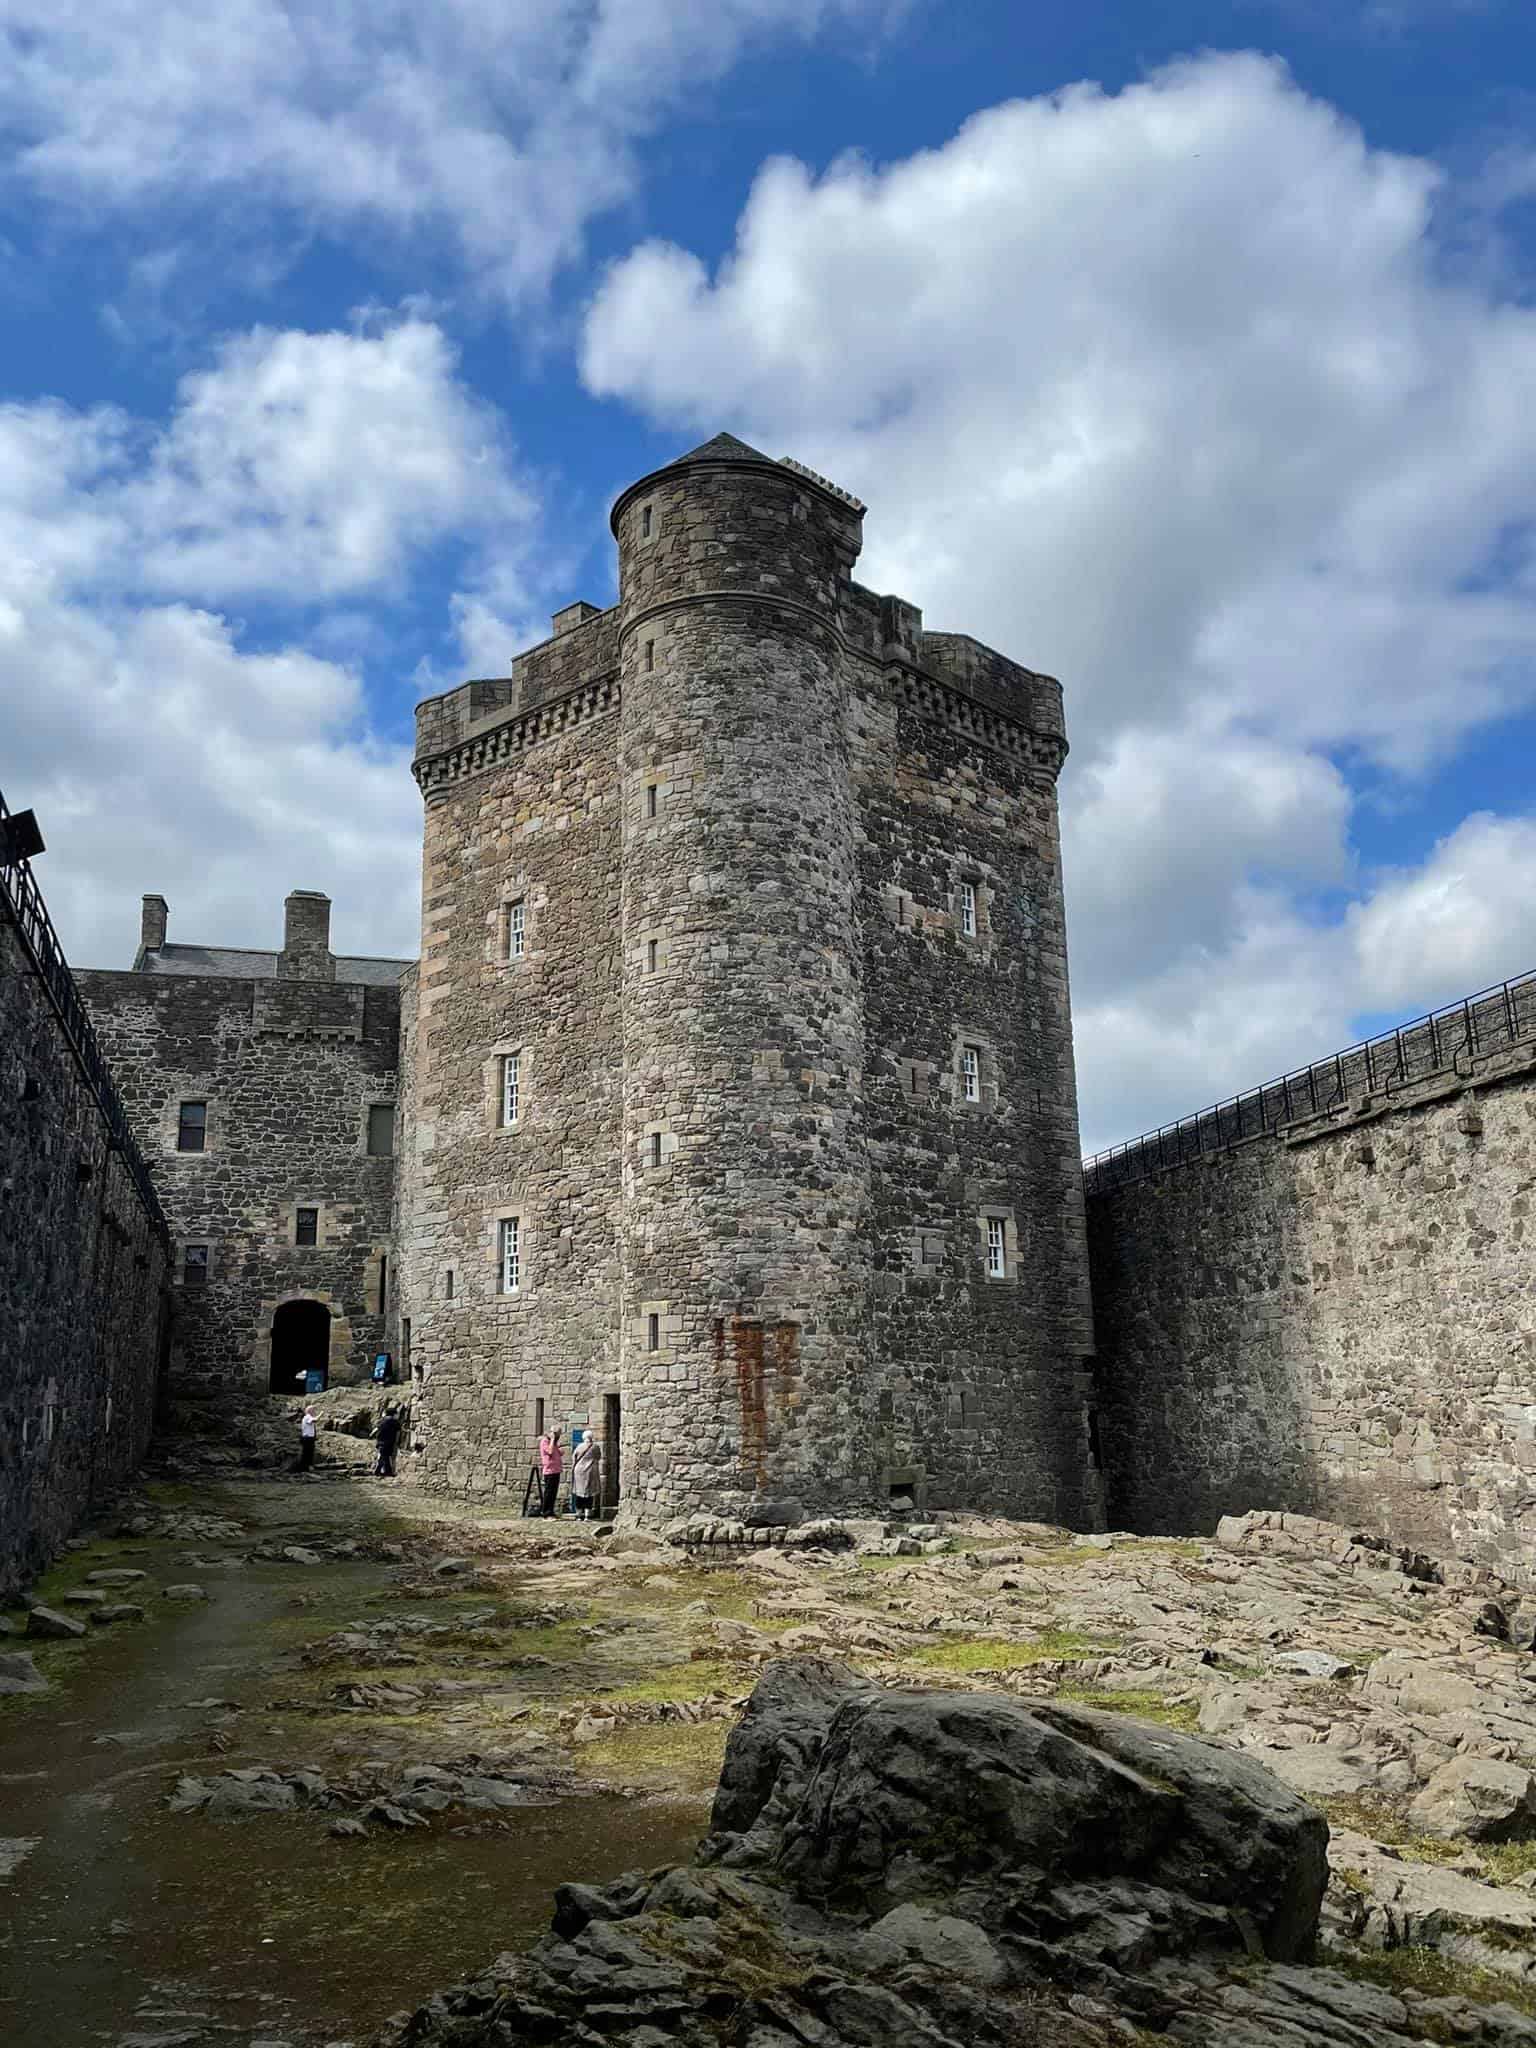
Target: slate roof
<point>723,448</point>
<point>243,963</point>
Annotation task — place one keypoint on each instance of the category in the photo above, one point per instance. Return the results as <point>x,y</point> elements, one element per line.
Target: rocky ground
<point>404,1684</point>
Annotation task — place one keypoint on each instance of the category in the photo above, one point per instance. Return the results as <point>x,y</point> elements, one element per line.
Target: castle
<point>731,1108</point>
<point>730,1112</point>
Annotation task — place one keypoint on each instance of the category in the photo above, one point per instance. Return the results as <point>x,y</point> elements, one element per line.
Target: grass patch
<point>1144,1705</point>
<point>991,1654</point>
<point>692,1681</point>
<point>888,1564</point>
<point>1504,1861</point>
<point>1433,1975</point>
<point>684,1757</point>
<point>1507,1860</point>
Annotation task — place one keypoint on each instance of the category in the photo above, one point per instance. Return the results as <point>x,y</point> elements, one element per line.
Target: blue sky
<point>1186,352</point>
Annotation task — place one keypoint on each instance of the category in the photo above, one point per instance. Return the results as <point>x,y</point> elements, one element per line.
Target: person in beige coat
<point>587,1477</point>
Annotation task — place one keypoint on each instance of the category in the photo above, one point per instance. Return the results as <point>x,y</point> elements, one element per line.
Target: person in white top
<point>307,1430</point>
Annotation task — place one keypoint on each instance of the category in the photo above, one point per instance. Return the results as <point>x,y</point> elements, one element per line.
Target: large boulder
<point>1477,1797</point>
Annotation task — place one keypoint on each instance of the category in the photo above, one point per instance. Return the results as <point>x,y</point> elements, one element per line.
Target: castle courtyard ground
<point>355,1763</point>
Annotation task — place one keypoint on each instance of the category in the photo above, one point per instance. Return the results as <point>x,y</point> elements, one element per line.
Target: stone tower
<point>738,1111</point>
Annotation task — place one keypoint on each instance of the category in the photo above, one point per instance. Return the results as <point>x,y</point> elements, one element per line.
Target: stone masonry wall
<point>540,829</point>
<point>1339,1320</point>
<point>82,1286</point>
<point>288,1070</point>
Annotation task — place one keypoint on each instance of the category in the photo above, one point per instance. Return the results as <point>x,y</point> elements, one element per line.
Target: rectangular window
<point>448,1285</point>
<point>192,1127</point>
<point>511,1255</point>
<point>650,799</point>
<point>383,1283</point>
<point>645,522</point>
<point>655,1148</point>
<point>538,1416</point>
<point>968,909</point>
<point>650,956</point>
<point>194,1265</point>
<point>970,1072</point>
<point>381,1129</point>
<point>653,1333</point>
<point>509,1088</point>
<point>517,928</point>
<point>997,1249</point>
<point>650,656</point>
<point>306,1226</point>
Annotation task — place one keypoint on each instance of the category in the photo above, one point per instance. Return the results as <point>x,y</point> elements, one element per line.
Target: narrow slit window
<point>645,522</point>
<point>510,1088</point>
<point>448,1285</point>
<point>650,799</point>
<point>650,656</point>
<point>968,909</point>
<point>381,1129</point>
<point>194,1265</point>
<point>192,1127</point>
<point>650,956</point>
<point>997,1249</point>
<point>653,1333</point>
<point>511,1255</point>
<point>655,1148</point>
<point>383,1284</point>
<point>517,928</point>
<point>970,1072</point>
<point>306,1226</point>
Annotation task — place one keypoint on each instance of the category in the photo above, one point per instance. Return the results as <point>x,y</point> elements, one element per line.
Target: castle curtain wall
<point>83,1269</point>
<point>1342,1321</point>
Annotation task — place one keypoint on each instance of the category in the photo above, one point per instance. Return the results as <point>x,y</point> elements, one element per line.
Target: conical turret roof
<point>723,448</point>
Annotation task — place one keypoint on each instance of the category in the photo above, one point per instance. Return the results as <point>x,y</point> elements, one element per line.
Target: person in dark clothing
<point>388,1439</point>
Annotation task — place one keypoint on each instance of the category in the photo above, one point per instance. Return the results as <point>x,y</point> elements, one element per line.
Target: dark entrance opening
<point>301,1347</point>
<point>610,1451</point>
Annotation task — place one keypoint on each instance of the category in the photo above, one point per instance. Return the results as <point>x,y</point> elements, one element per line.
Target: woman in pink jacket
<point>551,1459</point>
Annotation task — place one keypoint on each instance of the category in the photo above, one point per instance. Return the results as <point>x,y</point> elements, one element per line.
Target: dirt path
<point>128,1922</point>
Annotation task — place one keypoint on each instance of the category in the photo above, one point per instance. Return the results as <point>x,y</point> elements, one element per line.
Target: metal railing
<point>1503,1015</point>
<point>22,900</point>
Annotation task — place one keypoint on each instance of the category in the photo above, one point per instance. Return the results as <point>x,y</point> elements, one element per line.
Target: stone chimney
<point>306,954</point>
<point>152,923</point>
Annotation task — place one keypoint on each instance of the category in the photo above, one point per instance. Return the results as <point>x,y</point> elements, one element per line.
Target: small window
<point>650,656</point>
<point>192,1127</point>
<point>655,1148</point>
<point>381,1129</point>
<point>448,1285</point>
<point>970,1072</point>
<point>650,799</point>
<point>538,1416</point>
<point>653,1333</point>
<point>194,1265</point>
<point>517,928</point>
<point>650,956</point>
<point>997,1249</point>
<point>383,1284</point>
<point>306,1226</point>
<point>645,522</point>
<point>511,1255</point>
<point>509,1088</point>
<point>968,909</point>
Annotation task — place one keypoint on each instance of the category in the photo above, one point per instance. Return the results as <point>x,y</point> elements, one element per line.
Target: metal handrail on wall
<point>1503,1015</point>
<point>23,901</point>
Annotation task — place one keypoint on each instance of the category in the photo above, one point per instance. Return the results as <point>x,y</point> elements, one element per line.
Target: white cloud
<point>162,745</point>
<point>1465,919</point>
<point>503,127</point>
<point>1171,394</point>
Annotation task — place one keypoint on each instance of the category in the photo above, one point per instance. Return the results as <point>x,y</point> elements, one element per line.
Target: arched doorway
<point>301,1347</point>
